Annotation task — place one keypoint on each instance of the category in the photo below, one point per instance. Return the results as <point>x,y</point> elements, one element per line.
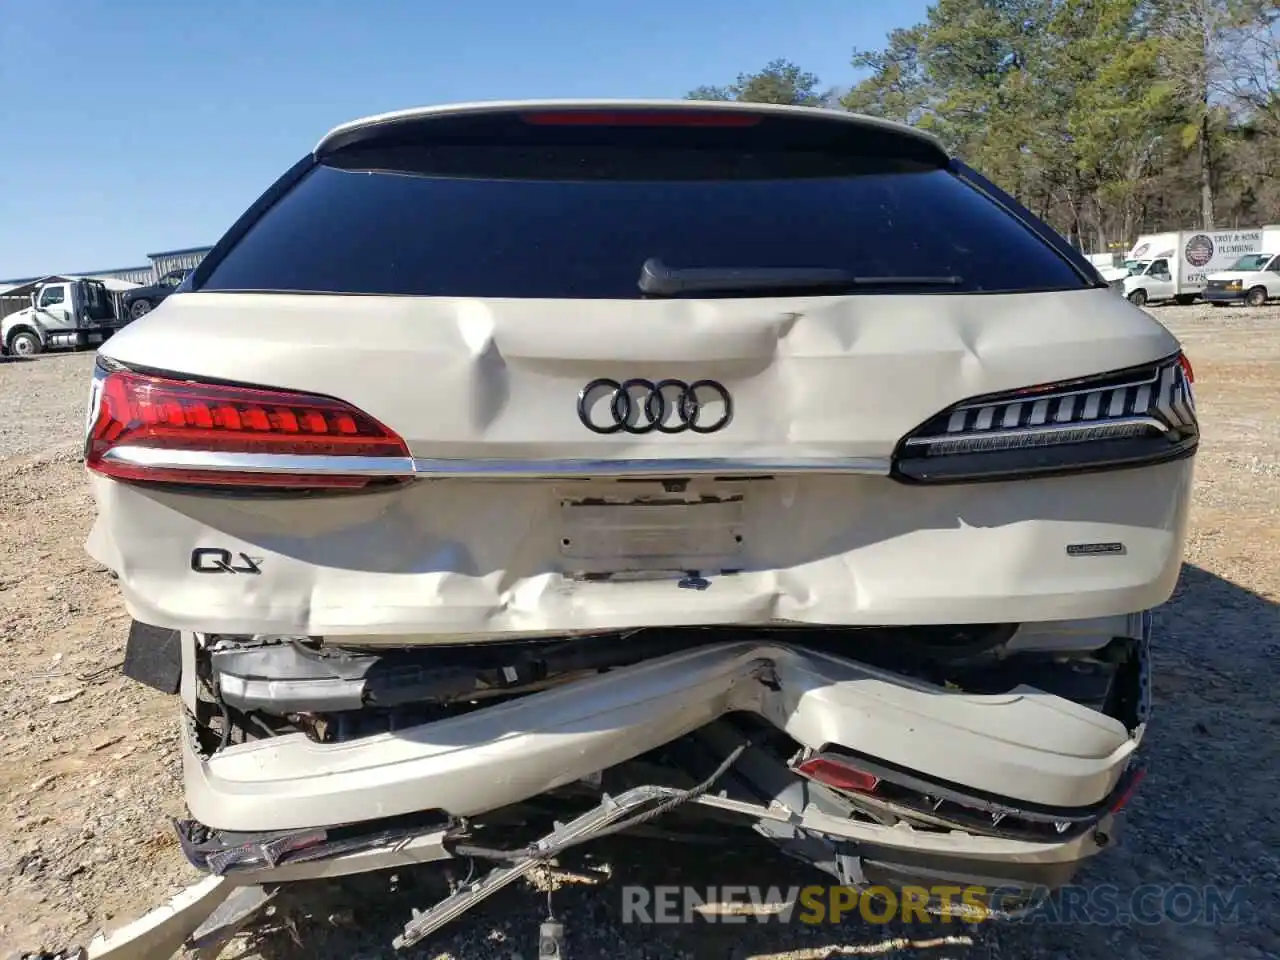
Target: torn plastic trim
<point>286,677</point>
<point>1046,749</point>
<point>169,927</point>
<point>175,923</point>
<point>212,851</point>
<point>221,853</point>
<point>281,675</point>
<point>428,467</point>
<point>973,805</point>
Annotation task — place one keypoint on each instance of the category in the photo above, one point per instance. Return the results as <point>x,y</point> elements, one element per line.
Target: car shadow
<point>1206,815</point>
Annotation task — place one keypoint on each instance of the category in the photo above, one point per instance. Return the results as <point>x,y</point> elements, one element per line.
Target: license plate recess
<point>652,534</point>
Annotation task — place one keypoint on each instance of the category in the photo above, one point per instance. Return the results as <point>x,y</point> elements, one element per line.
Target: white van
<point>1253,279</point>
<point>1178,270</point>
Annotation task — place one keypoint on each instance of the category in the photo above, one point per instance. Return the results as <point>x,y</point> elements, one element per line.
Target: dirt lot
<point>89,770</point>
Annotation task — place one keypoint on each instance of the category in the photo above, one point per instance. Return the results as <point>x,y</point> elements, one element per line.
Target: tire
<point>24,343</point>
<point>139,308</point>
<point>1138,298</point>
<point>1257,297</point>
<point>1185,299</point>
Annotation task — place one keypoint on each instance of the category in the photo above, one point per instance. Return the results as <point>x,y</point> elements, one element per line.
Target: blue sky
<point>133,126</point>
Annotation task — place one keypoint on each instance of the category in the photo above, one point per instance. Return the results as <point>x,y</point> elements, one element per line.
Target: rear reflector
<point>839,775</point>
<point>641,118</point>
<point>176,431</point>
<point>1186,368</point>
<point>1129,791</point>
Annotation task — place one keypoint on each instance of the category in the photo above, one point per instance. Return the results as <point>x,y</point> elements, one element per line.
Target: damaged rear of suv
<point>547,467</point>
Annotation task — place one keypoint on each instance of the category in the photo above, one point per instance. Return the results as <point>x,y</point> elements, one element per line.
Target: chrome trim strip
<point>718,466</point>
<point>259,462</point>
<point>488,468</point>
<point>1084,425</point>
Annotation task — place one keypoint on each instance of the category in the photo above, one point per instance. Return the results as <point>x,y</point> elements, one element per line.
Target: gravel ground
<point>89,769</point>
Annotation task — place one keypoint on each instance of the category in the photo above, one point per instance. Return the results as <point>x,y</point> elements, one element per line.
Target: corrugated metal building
<point>139,275</point>
<point>161,263</point>
<point>167,260</point>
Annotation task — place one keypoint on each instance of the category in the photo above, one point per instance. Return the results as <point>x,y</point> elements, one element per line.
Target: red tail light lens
<point>1129,791</point>
<point>640,118</point>
<point>836,773</point>
<point>1186,368</point>
<point>152,428</point>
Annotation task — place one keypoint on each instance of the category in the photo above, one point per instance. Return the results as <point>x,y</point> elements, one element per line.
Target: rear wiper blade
<point>659,280</point>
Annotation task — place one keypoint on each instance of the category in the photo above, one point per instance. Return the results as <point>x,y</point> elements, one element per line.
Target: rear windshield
<point>580,221</point>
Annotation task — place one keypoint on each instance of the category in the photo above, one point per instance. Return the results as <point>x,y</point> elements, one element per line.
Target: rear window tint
<point>579,221</point>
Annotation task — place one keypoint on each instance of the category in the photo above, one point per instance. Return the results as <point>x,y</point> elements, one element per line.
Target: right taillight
<point>1132,417</point>
<point>833,770</point>
<point>160,429</point>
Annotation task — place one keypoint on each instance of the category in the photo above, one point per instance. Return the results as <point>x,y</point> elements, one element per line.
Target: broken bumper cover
<point>1025,747</point>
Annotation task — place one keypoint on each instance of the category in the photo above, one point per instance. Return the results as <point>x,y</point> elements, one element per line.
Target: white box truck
<point>1147,247</point>
<point>1253,279</point>
<point>1176,266</point>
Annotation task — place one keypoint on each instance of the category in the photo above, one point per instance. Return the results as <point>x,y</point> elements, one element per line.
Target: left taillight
<point>1128,418</point>
<point>145,428</point>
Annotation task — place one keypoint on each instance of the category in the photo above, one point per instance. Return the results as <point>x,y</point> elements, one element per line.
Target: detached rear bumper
<point>1024,747</point>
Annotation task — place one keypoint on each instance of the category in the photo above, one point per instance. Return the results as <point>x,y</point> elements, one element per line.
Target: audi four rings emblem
<point>667,406</point>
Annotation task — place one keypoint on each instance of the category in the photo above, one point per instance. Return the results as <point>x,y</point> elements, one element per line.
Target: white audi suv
<point>501,447</point>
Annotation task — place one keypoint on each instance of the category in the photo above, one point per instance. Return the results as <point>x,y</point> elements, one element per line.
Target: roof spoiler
<point>382,125</point>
